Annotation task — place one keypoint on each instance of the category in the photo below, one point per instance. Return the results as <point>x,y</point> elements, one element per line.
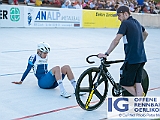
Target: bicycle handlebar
<point>106,62</point>
<point>87,59</point>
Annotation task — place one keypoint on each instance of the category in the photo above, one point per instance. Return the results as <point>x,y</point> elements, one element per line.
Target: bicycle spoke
<point>96,92</point>
<point>90,79</point>
<point>100,81</point>
<point>95,77</point>
<point>84,89</point>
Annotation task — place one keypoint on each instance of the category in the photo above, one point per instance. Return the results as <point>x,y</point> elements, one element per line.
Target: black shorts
<point>131,74</point>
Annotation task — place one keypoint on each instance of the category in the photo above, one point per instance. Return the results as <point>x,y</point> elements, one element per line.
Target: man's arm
<point>112,46</point>
<point>114,43</point>
<point>145,34</point>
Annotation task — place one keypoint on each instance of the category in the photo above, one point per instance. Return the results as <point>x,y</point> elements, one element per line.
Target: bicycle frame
<point>97,76</point>
<point>104,71</point>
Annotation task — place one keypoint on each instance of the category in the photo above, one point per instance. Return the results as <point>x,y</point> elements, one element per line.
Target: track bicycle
<point>95,82</point>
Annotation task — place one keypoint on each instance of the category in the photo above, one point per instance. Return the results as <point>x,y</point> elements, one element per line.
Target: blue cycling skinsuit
<point>46,79</point>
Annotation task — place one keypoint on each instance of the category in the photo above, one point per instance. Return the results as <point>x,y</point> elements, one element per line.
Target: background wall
<point>148,20</point>
<point>27,16</point>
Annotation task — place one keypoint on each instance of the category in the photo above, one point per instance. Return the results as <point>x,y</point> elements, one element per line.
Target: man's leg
<point>131,90</point>
<point>129,76</point>
<point>139,89</point>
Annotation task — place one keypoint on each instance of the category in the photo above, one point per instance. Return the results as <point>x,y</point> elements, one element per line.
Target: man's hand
<point>20,82</point>
<point>101,55</point>
<point>145,34</point>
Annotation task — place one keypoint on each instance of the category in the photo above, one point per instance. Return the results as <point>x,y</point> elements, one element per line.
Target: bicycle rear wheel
<point>145,84</point>
<point>95,96</point>
<point>145,81</point>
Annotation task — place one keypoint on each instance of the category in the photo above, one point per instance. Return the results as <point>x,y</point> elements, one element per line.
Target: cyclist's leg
<point>47,81</point>
<point>66,70</point>
<point>56,72</point>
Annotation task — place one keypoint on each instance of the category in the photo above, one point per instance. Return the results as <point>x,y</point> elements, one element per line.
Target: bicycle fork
<point>89,98</point>
<point>92,91</point>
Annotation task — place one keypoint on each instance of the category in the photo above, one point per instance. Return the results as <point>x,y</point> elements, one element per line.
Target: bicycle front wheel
<point>95,96</point>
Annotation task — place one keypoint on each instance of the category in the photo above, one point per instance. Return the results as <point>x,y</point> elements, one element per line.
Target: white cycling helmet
<point>44,47</point>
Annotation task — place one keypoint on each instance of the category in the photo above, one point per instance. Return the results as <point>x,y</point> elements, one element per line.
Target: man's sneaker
<point>143,94</point>
<point>65,95</point>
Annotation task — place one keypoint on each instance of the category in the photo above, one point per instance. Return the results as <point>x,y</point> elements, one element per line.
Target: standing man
<point>133,37</point>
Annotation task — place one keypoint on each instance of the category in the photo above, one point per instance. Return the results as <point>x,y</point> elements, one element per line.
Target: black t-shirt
<point>133,41</point>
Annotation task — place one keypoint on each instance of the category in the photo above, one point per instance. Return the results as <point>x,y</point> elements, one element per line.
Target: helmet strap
<point>39,53</point>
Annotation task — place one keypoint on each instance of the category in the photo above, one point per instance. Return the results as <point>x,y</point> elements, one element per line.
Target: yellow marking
<point>143,94</point>
<point>89,98</point>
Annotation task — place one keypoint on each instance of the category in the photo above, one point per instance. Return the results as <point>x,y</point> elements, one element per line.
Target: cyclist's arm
<point>31,61</point>
<point>114,43</point>
<point>26,72</point>
<point>145,34</point>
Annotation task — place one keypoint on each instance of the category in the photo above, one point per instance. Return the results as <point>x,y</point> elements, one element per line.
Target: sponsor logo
<point>14,14</point>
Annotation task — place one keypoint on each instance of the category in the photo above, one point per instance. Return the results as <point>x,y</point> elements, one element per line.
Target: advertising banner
<point>99,19</point>
<point>52,17</point>
<point>11,16</point>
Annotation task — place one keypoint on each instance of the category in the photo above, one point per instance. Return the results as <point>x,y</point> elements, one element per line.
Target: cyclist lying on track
<point>134,34</point>
<point>48,79</point>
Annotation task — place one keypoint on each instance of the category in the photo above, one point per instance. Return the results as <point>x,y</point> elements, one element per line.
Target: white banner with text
<point>52,17</point>
<point>11,16</point>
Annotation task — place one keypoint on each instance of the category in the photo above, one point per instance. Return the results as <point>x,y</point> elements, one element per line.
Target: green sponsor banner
<point>14,14</point>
